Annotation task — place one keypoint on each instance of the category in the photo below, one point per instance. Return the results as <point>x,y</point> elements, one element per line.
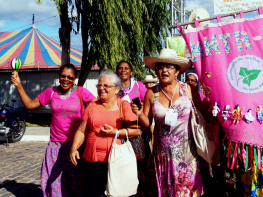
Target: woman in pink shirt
<point>130,87</point>
<point>59,177</point>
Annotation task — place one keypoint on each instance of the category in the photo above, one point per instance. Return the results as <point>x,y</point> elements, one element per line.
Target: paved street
<point>20,165</point>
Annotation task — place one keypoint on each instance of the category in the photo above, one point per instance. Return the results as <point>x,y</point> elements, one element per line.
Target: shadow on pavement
<point>3,140</point>
<point>22,189</point>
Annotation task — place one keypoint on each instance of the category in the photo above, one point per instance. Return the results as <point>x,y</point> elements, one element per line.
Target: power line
<point>31,24</point>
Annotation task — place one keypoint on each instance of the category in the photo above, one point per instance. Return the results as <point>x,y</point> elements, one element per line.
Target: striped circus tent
<point>34,49</point>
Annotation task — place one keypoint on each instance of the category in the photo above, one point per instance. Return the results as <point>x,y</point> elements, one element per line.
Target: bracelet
<point>117,132</point>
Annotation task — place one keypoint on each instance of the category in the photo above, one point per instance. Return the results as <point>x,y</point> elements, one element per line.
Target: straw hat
<point>149,78</point>
<point>198,14</point>
<point>168,56</point>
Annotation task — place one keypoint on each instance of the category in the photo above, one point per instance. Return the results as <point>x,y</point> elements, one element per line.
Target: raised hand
<point>15,80</point>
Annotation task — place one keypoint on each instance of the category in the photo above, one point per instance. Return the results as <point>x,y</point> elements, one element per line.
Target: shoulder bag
<point>122,170</point>
<point>205,147</point>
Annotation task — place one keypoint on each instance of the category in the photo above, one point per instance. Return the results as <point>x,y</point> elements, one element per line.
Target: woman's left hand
<point>108,130</point>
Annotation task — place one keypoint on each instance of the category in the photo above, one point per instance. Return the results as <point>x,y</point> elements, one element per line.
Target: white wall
<point>36,82</point>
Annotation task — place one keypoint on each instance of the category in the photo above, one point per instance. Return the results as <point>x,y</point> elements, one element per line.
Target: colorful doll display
<point>215,109</point>
<point>236,114</point>
<point>260,114</point>
<point>248,116</point>
<point>226,112</point>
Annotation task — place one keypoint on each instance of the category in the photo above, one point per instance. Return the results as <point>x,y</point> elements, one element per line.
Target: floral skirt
<point>59,177</point>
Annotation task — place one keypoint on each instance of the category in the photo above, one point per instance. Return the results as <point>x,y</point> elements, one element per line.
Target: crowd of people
<point>76,158</point>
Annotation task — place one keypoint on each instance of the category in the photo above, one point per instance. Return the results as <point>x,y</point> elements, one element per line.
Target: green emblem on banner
<point>248,75</point>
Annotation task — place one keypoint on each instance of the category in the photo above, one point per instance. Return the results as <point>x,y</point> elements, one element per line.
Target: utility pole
<point>178,14</point>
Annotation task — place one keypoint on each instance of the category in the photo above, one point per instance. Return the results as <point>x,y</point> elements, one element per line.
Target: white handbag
<point>122,170</point>
<point>205,147</point>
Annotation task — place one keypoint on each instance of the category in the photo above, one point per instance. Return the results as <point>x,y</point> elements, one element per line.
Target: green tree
<point>121,30</point>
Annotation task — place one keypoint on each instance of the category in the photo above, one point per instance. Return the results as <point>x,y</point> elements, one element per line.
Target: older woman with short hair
<point>101,121</point>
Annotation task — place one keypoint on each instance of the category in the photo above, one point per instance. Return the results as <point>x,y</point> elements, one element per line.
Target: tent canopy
<point>34,49</point>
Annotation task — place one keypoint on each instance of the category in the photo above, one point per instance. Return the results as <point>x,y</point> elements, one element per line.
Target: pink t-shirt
<point>66,113</point>
<point>137,89</point>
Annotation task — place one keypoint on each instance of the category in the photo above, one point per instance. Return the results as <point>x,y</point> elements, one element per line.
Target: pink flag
<point>228,59</point>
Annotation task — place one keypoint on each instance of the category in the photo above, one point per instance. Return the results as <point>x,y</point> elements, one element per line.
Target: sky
<point>17,15</point>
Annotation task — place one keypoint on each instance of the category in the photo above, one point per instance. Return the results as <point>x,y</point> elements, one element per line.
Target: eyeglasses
<point>64,76</point>
<point>168,67</point>
<point>190,80</point>
<point>123,68</point>
<point>105,86</point>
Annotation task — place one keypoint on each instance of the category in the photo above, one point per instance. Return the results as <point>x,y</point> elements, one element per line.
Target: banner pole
<point>234,14</point>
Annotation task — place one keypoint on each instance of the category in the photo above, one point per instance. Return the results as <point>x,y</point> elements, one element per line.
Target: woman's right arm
<point>28,102</point>
<point>77,142</point>
<point>145,113</point>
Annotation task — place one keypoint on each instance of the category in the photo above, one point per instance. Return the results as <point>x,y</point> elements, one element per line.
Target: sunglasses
<point>190,80</point>
<point>105,86</point>
<point>64,76</point>
<point>168,67</point>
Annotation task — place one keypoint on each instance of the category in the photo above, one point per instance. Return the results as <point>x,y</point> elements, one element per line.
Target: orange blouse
<point>98,147</point>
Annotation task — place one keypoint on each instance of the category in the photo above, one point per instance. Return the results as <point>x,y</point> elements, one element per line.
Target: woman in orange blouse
<point>101,121</point>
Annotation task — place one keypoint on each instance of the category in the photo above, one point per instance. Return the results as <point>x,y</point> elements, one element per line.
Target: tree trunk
<point>86,64</point>
<point>64,33</point>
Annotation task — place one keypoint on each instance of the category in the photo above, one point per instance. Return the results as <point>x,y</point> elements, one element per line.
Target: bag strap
<point>190,98</point>
<point>156,93</point>
<point>137,85</point>
<point>121,111</point>
<point>51,96</point>
<point>81,100</point>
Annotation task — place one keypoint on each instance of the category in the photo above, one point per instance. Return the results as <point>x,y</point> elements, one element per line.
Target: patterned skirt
<point>59,177</point>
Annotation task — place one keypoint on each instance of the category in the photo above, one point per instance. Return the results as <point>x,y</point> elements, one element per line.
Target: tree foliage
<point>115,30</point>
<point>118,30</point>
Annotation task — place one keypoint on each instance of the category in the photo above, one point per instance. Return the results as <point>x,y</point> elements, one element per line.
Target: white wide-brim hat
<point>198,14</point>
<point>168,56</point>
<point>149,78</point>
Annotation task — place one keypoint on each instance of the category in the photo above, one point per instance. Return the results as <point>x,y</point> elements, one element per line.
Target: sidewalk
<point>40,134</point>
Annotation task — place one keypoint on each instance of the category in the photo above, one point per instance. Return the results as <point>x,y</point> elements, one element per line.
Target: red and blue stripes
<point>34,49</point>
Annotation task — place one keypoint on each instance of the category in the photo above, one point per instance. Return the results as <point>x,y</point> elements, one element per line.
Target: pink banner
<point>228,59</point>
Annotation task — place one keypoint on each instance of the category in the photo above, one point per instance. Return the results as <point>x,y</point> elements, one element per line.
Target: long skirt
<point>59,177</point>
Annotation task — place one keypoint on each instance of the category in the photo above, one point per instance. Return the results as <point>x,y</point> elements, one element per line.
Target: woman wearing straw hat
<point>176,160</point>
<point>149,81</point>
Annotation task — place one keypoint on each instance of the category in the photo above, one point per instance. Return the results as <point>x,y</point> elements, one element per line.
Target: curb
<point>37,138</point>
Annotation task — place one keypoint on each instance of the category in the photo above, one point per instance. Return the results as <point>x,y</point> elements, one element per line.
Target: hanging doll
<point>215,109</point>
<point>248,116</point>
<point>260,114</point>
<point>236,114</point>
<point>226,112</point>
